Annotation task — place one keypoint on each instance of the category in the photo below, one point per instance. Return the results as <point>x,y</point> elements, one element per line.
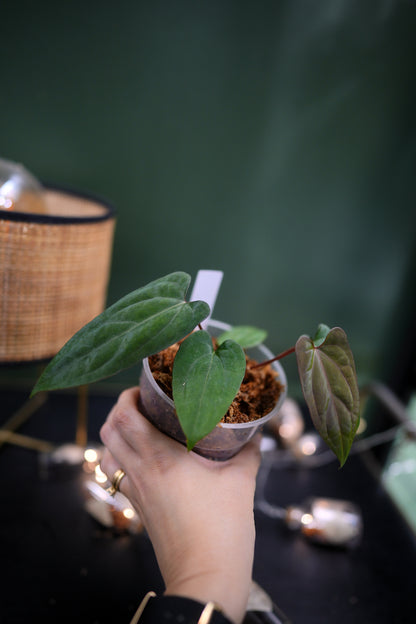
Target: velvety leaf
<point>205,383</point>
<point>143,322</point>
<point>245,335</point>
<point>329,385</point>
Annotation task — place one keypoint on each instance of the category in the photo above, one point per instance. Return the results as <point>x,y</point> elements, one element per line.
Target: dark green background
<point>274,140</point>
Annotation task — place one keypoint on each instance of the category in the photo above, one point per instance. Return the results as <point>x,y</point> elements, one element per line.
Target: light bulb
<point>100,476</point>
<point>288,425</point>
<point>307,445</point>
<point>327,521</point>
<point>114,512</point>
<point>91,455</point>
<point>92,458</point>
<point>20,191</point>
<point>65,459</point>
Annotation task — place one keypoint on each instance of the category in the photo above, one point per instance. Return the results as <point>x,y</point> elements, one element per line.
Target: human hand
<point>198,513</point>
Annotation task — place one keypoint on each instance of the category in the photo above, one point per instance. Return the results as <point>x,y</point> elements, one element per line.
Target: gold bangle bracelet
<point>208,610</point>
<point>142,606</point>
<point>204,618</point>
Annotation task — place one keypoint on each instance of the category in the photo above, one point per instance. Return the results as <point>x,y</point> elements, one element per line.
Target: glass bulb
<point>288,425</point>
<point>20,191</point>
<point>327,521</point>
<point>307,445</point>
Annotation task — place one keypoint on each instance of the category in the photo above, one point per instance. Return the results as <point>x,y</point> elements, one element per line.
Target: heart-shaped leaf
<point>205,382</point>
<point>245,335</point>
<point>143,322</point>
<point>329,385</point>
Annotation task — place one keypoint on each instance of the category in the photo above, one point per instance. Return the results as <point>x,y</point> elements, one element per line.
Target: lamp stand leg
<point>81,435</point>
<point>8,430</point>
<point>21,416</point>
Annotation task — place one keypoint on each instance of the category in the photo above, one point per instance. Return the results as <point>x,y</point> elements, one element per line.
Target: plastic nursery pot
<point>227,438</point>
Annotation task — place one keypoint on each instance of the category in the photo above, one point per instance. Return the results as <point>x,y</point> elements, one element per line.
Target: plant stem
<point>276,357</point>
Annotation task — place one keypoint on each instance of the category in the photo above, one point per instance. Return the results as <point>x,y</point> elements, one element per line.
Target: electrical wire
<point>278,459</point>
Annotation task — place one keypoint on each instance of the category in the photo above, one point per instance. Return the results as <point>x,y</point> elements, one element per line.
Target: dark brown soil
<point>259,391</point>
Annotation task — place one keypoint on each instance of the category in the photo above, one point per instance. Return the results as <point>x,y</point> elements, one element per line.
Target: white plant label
<point>206,288</point>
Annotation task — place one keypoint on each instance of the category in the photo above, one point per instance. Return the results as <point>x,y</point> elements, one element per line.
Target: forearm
<point>208,562</point>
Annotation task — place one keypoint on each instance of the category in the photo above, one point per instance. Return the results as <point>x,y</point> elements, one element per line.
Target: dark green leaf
<point>245,335</point>
<point>329,385</point>
<point>205,383</point>
<point>143,322</point>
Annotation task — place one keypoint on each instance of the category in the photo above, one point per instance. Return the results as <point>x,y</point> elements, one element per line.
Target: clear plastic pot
<point>227,438</point>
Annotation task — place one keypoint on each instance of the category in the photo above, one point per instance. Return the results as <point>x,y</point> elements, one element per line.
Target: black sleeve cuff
<point>177,610</point>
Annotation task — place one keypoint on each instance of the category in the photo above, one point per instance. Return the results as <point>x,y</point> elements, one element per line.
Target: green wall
<point>274,140</point>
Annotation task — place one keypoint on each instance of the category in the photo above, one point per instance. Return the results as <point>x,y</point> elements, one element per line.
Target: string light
<point>327,521</point>
<point>91,455</point>
<point>63,460</point>
<point>115,512</point>
<point>288,425</point>
<point>323,520</point>
<point>128,513</point>
<point>306,445</point>
<point>100,476</point>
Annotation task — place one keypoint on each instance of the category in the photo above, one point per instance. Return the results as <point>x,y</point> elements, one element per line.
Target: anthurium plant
<point>206,376</point>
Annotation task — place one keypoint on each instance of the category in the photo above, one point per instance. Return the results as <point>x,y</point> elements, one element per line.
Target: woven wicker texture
<point>53,275</point>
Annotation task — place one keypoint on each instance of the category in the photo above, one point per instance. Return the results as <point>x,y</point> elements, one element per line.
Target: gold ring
<point>115,481</point>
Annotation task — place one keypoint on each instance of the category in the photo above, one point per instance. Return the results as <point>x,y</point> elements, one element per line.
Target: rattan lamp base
<point>54,273</point>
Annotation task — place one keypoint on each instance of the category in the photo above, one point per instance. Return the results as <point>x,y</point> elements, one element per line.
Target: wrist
<point>176,608</point>
<point>226,586</point>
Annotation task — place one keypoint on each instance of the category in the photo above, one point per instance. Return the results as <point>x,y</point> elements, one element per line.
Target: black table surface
<point>60,565</point>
